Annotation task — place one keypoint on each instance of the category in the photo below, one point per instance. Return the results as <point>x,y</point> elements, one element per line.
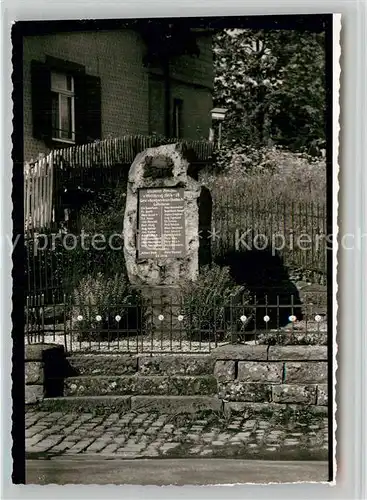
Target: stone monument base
<point>163,310</point>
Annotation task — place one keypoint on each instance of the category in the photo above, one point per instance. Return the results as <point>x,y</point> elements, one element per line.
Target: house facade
<point>85,86</point>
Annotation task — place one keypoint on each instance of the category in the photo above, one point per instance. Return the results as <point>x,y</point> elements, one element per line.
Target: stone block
<point>175,404</point>
<point>241,352</point>
<point>225,370</point>
<point>175,365</point>
<point>89,404</point>
<point>36,352</point>
<point>164,169</point>
<point>306,372</point>
<point>298,353</point>
<point>103,364</point>
<point>302,394</point>
<point>34,372</point>
<point>322,395</point>
<point>253,371</point>
<point>244,391</point>
<point>140,385</point>
<point>33,394</point>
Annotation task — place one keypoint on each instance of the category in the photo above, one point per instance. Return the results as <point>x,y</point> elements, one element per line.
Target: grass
<point>279,192</point>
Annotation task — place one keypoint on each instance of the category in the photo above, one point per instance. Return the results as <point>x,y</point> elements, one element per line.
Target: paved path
<point>133,435</point>
<point>176,472</point>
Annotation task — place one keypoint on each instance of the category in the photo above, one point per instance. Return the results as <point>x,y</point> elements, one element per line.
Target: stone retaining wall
<point>272,374</point>
<point>233,377</point>
<point>41,363</point>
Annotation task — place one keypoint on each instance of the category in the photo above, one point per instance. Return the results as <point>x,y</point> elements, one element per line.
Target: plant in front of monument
<point>213,304</point>
<point>104,305</point>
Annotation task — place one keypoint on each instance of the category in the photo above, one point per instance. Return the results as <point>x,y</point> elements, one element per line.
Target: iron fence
<point>56,259</point>
<point>296,230</point>
<point>150,326</point>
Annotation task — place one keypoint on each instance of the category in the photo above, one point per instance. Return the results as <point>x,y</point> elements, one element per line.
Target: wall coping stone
<point>298,353</point>
<point>242,352</point>
<point>34,352</point>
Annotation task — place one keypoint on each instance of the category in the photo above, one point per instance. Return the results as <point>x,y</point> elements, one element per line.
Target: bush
<point>206,303</point>
<point>295,337</point>
<point>106,213</point>
<point>268,192</point>
<point>97,302</point>
<point>271,175</point>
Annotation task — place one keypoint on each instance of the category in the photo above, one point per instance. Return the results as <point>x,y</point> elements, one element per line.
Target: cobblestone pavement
<point>134,435</point>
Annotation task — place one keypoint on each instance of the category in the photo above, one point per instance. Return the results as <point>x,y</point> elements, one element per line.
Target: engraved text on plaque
<point>161,223</point>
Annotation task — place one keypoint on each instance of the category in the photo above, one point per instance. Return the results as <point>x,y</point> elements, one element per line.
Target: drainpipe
<point>167,98</point>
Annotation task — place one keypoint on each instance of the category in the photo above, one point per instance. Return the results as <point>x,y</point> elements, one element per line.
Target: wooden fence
<point>39,193</point>
<point>42,178</point>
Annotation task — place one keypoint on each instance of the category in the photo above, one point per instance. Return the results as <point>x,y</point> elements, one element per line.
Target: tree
<point>273,85</point>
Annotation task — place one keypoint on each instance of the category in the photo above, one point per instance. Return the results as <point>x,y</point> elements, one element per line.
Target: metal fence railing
<point>296,230</point>
<point>54,263</point>
<point>148,326</point>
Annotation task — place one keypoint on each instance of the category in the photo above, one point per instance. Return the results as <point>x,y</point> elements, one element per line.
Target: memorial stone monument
<point>166,226</point>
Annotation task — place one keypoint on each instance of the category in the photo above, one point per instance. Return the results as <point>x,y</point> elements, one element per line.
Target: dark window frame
<point>87,102</point>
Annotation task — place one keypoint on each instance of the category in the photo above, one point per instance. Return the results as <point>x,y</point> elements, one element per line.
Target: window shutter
<point>41,101</point>
<point>87,108</point>
<point>93,107</point>
<point>80,107</point>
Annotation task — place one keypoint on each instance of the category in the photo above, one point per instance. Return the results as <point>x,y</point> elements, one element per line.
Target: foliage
<point>273,85</point>
<point>271,192</point>
<point>270,175</point>
<point>105,297</point>
<point>294,338</point>
<point>107,215</point>
<point>206,301</point>
<point>104,223</point>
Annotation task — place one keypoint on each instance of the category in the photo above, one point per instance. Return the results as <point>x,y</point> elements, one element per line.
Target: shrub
<point>272,175</point>
<point>105,213</point>
<point>206,303</point>
<point>269,192</point>
<point>104,297</point>
<point>289,337</point>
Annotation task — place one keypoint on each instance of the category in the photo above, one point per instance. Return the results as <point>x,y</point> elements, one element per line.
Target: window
<point>177,118</point>
<point>63,107</point>
<point>66,103</point>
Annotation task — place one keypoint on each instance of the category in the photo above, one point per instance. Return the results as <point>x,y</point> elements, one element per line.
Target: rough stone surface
<point>35,352</point>
<point>284,393</point>
<point>103,364</point>
<point>245,407</point>
<point>175,365</point>
<point>152,385</point>
<point>175,404</point>
<point>241,352</point>
<point>243,391</point>
<point>225,370</point>
<point>298,353</point>
<point>306,372</point>
<point>252,371</point>
<point>322,394</point>
<point>34,372</point>
<point>87,404</point>
<point>33,393</point>
<point>146,173</point>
